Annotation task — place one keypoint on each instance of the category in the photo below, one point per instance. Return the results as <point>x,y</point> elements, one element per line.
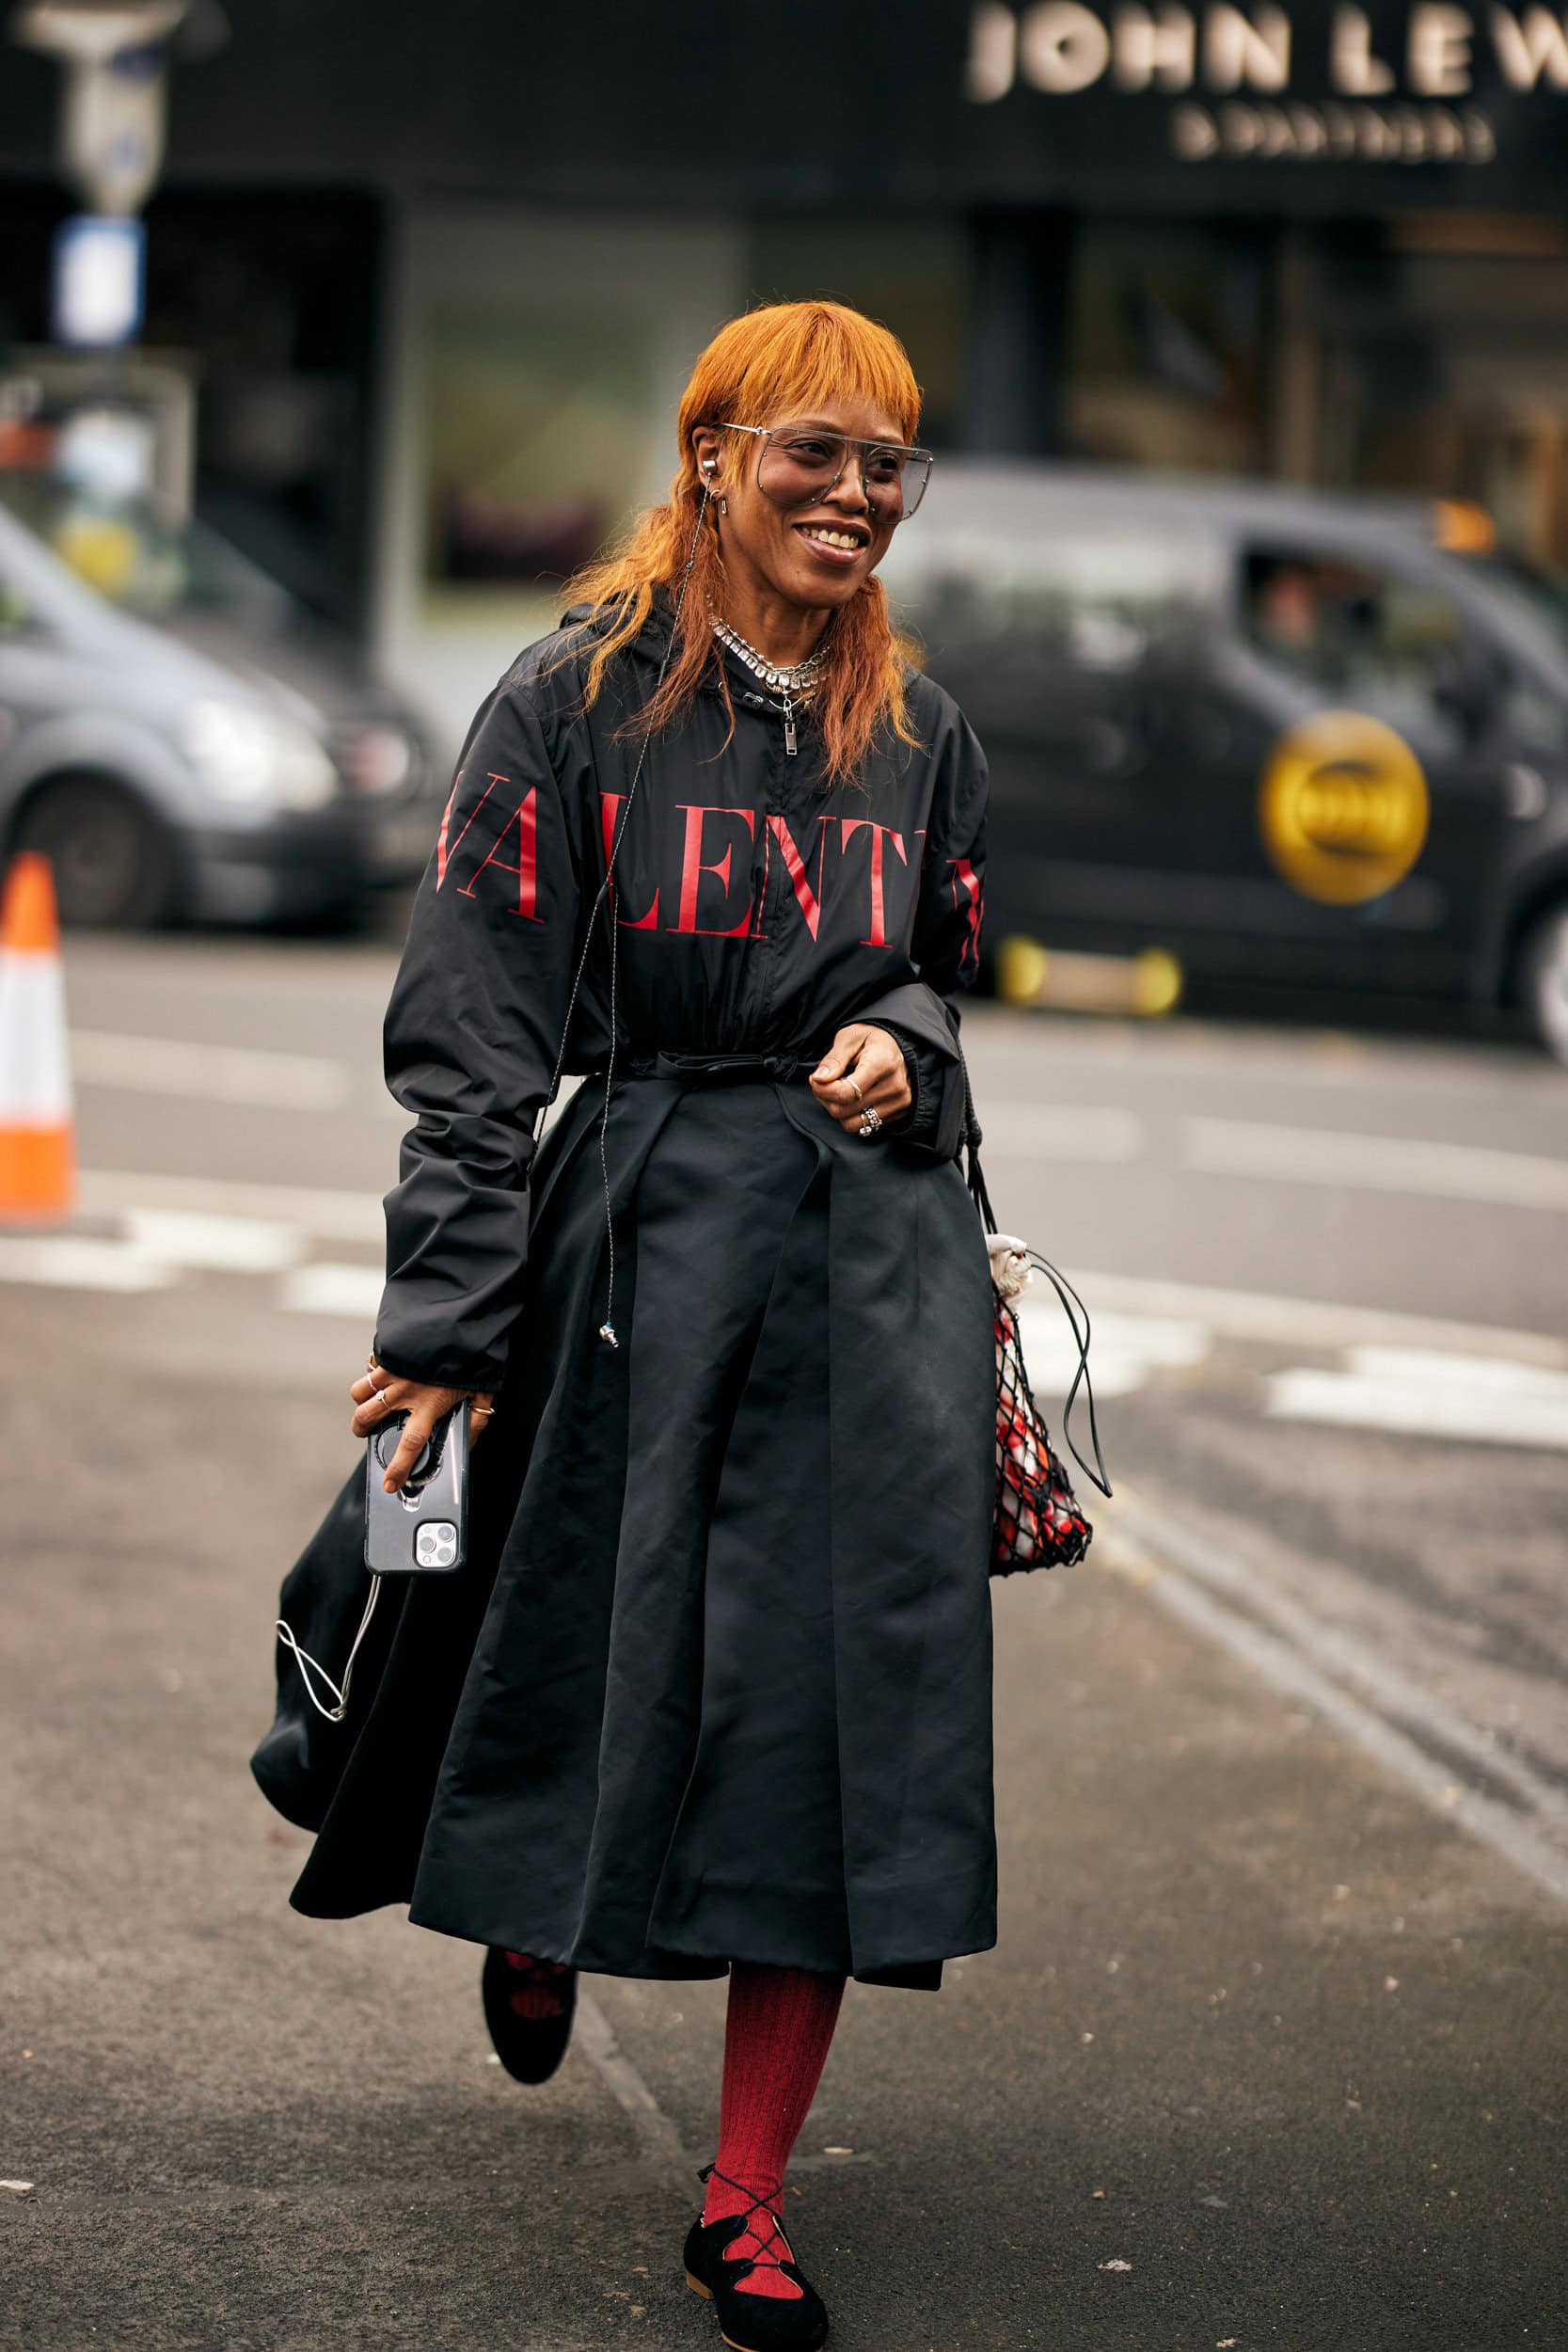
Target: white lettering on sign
<point>1351,64</point>
<point>1333,133</point>
<point>1438,56</point>
<point>1063,47</point>
<point>1154,51</point>
<point>1240,51</point>
<point>993,53</point>
<point>1530,48</point>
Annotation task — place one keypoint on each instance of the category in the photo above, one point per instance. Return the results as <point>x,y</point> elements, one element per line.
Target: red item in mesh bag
<point>1038,1522</point>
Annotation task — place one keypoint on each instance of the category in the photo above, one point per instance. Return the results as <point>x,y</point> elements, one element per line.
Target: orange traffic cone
<point>37,1158</point>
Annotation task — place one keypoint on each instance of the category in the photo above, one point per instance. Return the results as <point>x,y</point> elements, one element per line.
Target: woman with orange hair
<point>713,1690</point>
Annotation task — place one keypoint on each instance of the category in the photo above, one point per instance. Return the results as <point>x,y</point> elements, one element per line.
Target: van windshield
<point>1544,593</point>
<point>127,554</point>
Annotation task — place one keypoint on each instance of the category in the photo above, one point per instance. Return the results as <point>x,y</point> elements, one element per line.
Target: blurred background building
<point>437,275</point>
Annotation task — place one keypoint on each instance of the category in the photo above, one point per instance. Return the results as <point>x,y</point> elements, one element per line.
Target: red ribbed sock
<point>778,2029</point>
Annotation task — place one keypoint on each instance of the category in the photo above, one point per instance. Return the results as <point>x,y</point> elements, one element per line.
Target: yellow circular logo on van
<point>1345,807</point>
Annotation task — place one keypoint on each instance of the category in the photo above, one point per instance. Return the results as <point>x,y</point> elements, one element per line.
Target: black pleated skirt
<point>730,1693</point>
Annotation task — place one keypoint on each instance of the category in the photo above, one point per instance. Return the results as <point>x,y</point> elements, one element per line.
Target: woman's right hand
<point>378,1392</point>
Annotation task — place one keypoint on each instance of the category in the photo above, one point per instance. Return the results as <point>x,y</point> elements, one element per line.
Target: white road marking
<point>210,1073</point>
<point>327,1216</point>
<point>226,1244</point>
<point>1123,1349</point>
<point>1318,1155</point>
<point>1255,1316</point>
<point>1273,1321</point>
<point>329,1288</point>
<point>1063,1130</point>
<point>1421,1392</point>
<point>79,1262</point>
<point>1194,1579</point>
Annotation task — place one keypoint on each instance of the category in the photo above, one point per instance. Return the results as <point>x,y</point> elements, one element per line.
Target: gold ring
<point>855,1083</point>
<point>486,1410</point>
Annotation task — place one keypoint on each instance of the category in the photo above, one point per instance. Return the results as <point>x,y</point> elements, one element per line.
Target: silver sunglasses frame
<point>904,449</point>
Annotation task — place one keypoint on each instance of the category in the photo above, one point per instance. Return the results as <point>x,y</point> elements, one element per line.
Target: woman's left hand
<point>863,1069</point>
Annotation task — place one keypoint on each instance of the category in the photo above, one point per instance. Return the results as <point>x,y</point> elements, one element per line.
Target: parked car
<point>180,739</point>
<point>1286,736</point>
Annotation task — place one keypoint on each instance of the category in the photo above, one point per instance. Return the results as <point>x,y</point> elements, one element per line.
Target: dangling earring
<point>724,506</point>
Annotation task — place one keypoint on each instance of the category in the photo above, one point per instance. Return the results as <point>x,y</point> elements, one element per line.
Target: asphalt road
<point>1274,2049</point>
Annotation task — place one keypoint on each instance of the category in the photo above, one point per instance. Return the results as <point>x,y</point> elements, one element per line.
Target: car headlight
<point>257,758</point>
<point>374,757</point>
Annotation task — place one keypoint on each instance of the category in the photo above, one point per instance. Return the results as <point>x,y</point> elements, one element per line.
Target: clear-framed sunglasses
<point>801,463</point>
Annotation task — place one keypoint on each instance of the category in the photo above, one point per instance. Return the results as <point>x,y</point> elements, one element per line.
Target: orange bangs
<point>787,358</point>
<point>790,359</point>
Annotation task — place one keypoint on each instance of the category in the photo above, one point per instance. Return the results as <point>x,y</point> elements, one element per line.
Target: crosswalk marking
<point>1271,1321</point>
<point>325,1214</point>
<point>1261,1316</point>
<point>79,1262</point>
<point>1427,1394</point>
<point>331,1288</point>
<point>225,1245</point>
<point>1123,1351</point>
<point>1401,1373</point>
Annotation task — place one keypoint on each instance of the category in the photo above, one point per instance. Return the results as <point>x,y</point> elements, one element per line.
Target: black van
<point>1285,737</point>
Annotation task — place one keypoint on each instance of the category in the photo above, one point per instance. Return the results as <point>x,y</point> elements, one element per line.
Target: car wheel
<point>1544,978</point>
<point>113,865</point>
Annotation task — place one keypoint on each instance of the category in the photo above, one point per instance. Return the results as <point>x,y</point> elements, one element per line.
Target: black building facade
<point>437,269</point>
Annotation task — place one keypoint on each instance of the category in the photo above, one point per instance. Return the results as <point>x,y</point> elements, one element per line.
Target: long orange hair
<point>789,357</point>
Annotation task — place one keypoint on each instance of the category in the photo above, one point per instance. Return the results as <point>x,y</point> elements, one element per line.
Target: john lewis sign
<point>1431,83</point>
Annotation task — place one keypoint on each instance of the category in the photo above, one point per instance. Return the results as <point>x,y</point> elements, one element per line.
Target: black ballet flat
<point>530,2047</point>
<point>753,2323</point>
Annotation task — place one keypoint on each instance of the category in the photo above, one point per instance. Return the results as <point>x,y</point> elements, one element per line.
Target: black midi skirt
<point>719,1684</point>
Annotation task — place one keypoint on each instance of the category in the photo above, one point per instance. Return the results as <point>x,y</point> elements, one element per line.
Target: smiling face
<point>813,554</point>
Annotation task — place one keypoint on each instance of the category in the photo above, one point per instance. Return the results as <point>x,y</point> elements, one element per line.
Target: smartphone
<point>424,1530</point>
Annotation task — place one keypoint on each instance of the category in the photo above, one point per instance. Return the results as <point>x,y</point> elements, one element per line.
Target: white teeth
<point>832,538</point>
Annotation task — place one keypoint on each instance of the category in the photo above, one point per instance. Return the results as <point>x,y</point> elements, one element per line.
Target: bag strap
<point>972,1138</point>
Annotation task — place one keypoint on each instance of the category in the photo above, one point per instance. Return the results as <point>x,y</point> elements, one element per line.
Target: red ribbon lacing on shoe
<point>538,1996</point>
<point>765,2258</point>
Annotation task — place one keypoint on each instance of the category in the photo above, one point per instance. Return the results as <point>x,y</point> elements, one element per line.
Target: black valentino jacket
<point>754,911</point>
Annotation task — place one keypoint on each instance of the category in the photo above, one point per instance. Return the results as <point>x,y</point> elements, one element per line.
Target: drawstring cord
<point>607,1328</point>
<point>972,1139</point>
<point>1069,1299</point>
<point>308,1665</point>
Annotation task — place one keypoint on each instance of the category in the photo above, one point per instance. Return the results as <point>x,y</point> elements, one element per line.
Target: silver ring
<point>871,1121</point>
<point>855,1083</point>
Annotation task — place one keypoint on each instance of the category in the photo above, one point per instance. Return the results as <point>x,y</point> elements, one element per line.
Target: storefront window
<point>1165,344</point>
<point>537,420</point>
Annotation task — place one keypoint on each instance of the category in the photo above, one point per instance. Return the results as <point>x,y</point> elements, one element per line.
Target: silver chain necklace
<point>792,683</point>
